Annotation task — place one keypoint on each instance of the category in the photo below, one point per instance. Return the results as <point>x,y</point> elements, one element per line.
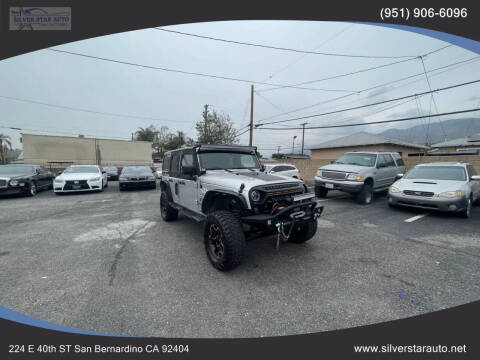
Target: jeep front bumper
<point>300,212</point>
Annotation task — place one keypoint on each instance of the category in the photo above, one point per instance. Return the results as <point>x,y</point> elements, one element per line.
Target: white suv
<point>283,170</point>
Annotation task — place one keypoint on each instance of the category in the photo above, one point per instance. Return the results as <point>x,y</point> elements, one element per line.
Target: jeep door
<point>187,185</point>
<point>173,176</point>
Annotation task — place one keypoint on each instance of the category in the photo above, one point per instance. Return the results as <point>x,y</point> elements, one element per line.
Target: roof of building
<point>472,140</point>
<point>362,139</point>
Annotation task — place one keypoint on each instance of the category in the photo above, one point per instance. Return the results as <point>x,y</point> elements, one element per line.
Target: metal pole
<point>251,116</point>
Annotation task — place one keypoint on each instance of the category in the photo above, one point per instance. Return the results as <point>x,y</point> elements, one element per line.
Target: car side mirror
<point>189,170</point>
<point>332,162</point>
<point>59,173</point>
<point>262,168</point>
<point>103,171</point>
<point>475,177</point>
<point>398,176</point>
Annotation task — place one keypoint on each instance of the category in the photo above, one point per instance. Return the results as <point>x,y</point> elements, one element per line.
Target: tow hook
<point>281,233</point>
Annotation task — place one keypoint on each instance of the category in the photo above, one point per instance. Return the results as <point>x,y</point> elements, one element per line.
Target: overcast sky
<point>177,100</point>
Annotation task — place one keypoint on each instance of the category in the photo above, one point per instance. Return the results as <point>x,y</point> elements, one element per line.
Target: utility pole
<point>251,116</point>
<point>132,136</point>
<point>278,150</point>
<point>293,145</point>
<point>303,135</point>
<point>205,117</point>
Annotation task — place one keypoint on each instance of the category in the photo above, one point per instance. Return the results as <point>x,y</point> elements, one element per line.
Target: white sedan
<point>287,170</point>
<point>81,178</point>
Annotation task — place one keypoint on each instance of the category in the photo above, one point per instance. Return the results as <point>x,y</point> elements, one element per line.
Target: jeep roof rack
<point>213,147</point>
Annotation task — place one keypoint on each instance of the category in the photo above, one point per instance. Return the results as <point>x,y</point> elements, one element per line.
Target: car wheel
<point>321,192</point>
<point>304,232</point>
<point>32,190</point>
<point>365,196</point>
<point>168,212</point>
<point>224,240</point>
<point>466,213</point>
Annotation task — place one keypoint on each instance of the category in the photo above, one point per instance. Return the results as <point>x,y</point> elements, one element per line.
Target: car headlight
<point>255,195</point>
<point>451,194</point>
<point>392,189</point>
<point>58,181</point>
<point>122,178</point>
<point>151,177</point>
<point>319,173</point>
<point>95,179</point>
<point>14,182</point>
<point>354,177</point>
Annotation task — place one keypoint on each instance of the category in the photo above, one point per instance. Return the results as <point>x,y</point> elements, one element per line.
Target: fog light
<point>452,207</point>
<point>390,200</point>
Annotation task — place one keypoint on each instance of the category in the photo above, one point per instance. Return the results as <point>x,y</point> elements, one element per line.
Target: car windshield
<point>81,170</point>
<point>16,170</point>
<point>456,173</point>
<point>136,170</point>
<point>228,160</point>
<point>357,159</point>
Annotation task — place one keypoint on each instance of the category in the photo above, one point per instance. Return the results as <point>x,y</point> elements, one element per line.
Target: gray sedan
<point>446,186</point>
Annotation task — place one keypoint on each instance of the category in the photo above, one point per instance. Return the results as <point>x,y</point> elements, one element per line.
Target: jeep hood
<point>235,178</point>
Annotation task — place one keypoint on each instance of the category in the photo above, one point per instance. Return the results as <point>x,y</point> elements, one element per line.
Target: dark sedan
<point>137,176</point>
<point>112,172</point>
<point>24,179</point>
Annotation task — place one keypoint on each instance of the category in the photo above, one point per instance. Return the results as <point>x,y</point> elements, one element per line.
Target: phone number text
<point>406,13</point>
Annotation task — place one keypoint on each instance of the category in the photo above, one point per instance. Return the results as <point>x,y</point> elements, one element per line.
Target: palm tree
<point>5,144</point>
<point>146,134</point>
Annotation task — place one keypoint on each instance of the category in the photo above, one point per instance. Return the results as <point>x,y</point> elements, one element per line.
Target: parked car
<point>137,176</point>
<point>360,174</point>
<point>444,186</point>
<point>24,179</point>
<point>158,171</point>
<point>283,170</point>
<point>81,178</point>
<point>112,172</point>
<point>226,187</point>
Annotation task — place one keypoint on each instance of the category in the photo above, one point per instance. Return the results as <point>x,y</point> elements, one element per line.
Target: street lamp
<point>293,145</point>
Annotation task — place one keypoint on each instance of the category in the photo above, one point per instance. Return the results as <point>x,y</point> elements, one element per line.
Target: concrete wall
<point>334,153</point>
<point>40,149</point>
<point>308,168</point>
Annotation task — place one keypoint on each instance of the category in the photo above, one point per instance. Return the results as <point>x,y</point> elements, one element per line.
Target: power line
<point>189,72</point>
<point>355,72</point>
<point>286,49</point>
<point>86,110</point>
<point>374,122</point>
<point>372,104</point>
<point>476,58</point>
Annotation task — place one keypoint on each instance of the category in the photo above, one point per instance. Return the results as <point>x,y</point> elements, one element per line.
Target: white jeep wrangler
<point>225,186</point>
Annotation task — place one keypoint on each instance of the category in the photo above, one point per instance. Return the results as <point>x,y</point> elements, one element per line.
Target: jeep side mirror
<point>189,170</point>
<point>398,176</point>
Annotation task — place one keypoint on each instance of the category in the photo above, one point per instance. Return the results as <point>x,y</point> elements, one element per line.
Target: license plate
<point>329,186</point>
<point>76,187</point>
<point>303,197</point>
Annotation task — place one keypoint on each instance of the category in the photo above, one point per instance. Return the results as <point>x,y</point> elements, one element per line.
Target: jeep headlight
<point>451,194</point>
<point>354,177</point>
<point>255,195</point>
<point>392,189</point>
<point>319,173</point>
<point>14,182</point>
<point>95,179</point>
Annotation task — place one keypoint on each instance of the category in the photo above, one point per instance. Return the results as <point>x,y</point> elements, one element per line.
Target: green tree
<point>5,144</point>
<point>216,128</point>
<point>146,134</point>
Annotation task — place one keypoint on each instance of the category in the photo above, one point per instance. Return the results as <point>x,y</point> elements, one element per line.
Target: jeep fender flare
<point>164,187</point>
<point>210,196</point>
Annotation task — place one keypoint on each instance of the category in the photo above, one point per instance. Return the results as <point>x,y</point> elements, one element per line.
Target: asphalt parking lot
<point>107,262</point>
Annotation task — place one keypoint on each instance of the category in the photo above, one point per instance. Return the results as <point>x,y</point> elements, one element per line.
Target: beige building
<point>47,150</point>
<point>362,141</point>
<point>458,145</point>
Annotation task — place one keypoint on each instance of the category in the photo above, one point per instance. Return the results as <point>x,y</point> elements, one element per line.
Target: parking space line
<point>416,217</point>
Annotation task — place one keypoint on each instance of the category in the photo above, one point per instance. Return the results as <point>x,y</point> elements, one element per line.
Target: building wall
<point>308,168</point>
<point>454,148</point>
<point>40,149</point>
<point>334,153</point>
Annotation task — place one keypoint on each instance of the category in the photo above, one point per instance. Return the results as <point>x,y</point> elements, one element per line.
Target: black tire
<point>224,240</point>
<point>32,189</point>
<point>467,212</point>
<point>321,192</point>
<point>303,233</point>
<point>168,212</point>
<point>365,196</point>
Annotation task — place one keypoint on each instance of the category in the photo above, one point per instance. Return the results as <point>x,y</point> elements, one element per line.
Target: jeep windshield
<point>357,159</point>
<point>228,160</point>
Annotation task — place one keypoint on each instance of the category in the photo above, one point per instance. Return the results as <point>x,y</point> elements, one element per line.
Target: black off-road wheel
<point>304,232</point>
<point>168,212</point>
<point>321,192</point>
<point>224,240</point>
<point>365,196</point>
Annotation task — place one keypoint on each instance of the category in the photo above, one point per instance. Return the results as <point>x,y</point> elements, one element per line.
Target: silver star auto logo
<point>75,182</point>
